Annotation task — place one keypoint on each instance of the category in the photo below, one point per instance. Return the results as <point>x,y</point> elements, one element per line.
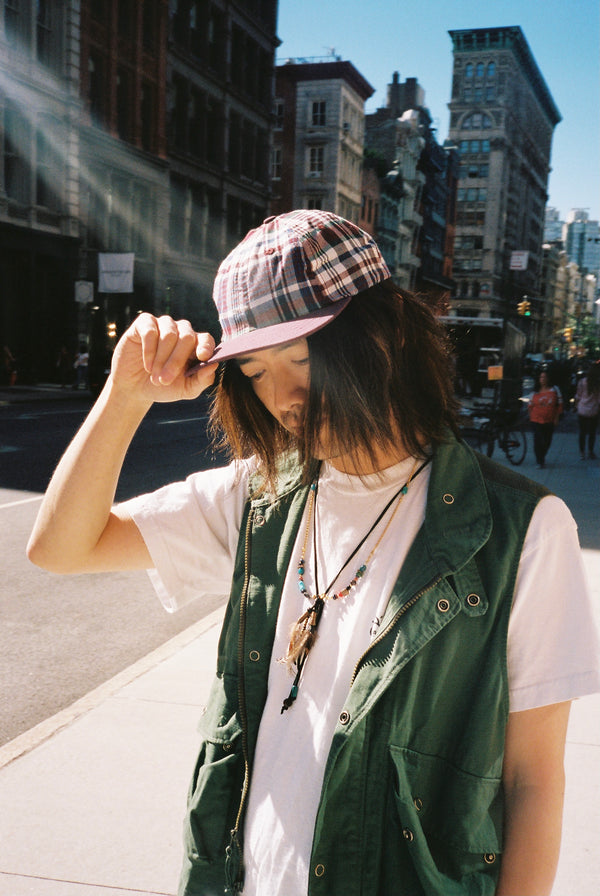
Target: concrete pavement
<point>92,800</point>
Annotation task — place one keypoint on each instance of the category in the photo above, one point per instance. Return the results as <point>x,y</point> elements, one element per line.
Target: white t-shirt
<point>191,530</point>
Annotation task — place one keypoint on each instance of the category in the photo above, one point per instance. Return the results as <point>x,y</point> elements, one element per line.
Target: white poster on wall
<point>115,271</point>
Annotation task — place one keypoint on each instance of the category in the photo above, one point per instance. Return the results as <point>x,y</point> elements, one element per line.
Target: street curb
<point>45,730</point>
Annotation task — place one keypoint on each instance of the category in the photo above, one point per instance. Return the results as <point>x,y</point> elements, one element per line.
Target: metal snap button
<point>489,858</point>
<point>227,747</point>
<point>408,835</point>
<point>448,499</point>
<point>319,870</point>
<point>473,600</point>
<point>443,605</point>
<point>344,717</point>
<point>259,520</point>
<point>254,656</point>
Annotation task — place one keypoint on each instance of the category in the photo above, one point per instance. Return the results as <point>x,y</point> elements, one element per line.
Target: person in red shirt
<point>545,408</point>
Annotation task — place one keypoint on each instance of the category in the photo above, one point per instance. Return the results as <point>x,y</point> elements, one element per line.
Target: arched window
<point>477,121</point>
<point>469,70</point>
<point>479,70</point>
<point>491,70</point>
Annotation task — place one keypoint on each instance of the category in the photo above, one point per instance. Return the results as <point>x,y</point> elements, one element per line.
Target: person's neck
<point>362,463</point>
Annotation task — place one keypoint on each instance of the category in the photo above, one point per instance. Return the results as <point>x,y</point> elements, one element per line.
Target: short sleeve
<point>191,531</point>
<point>553,645</point>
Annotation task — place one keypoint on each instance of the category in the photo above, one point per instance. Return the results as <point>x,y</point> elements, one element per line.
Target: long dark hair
<point>593,378</point>
<point>382,369</point>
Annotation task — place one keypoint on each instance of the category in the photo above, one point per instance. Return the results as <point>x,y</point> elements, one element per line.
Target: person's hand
<point>153,356</point>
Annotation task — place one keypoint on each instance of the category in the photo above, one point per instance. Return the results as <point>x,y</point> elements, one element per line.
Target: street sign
<point>84,292</point>
<point>519,260</point>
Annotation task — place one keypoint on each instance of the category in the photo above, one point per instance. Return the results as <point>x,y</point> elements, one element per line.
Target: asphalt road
<point>60,637</point>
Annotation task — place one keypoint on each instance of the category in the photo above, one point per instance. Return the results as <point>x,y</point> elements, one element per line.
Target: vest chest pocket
<point>450,822</point>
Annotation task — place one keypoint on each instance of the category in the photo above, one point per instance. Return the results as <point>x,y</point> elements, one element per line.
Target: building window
<point>490,93</point>
<point>149,26</point>
<point>95,86</point>
<point>124,116</point>
<point>48,179</point>
<point>316,160</point>
<point>479,70</point>
<point>318,114</point>
<point>278,112</point>
<point>13,21</point>
<point>469,70</point>
<point>276,163</point>
<point>147,102</point>
<point>477,121</point>
<point>491,70</point>
<point>16,155</point>
<point>314,202</point>
<point>44,32</point>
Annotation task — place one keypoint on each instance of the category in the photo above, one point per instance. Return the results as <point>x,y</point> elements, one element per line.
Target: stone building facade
<point>126,127</point>
<point>502,118</point>
<point>318,138</point>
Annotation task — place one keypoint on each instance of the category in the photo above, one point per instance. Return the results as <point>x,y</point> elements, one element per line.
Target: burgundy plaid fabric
<point>290,277</point>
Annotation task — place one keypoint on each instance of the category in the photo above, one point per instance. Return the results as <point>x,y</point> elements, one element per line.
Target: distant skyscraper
<point>553,226</point>
<point>502,120</point>
<point>582,241</point>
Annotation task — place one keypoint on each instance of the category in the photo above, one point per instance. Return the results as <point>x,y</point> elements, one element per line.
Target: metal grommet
<point>443,605</point>
<point>489,858</point>
<point>344,717</point>
<point>448,499</point>
<point>473,600</point>
<point>259,520</point>
<point>319,870</point>
<point>408,835</point>
<point>227,747</point>
<point>418,803</point>
<point>254,656</point>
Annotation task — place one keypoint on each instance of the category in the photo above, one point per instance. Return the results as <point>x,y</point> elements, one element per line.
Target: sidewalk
<point>92,800</point>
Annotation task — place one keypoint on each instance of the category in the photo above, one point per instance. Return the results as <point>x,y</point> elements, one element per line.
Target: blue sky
<point>412,38</point>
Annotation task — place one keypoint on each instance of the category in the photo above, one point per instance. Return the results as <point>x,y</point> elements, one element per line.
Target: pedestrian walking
<point>587,402</point>
<point>407,621</point>
<point>81,367</point>
<point>545,408</point>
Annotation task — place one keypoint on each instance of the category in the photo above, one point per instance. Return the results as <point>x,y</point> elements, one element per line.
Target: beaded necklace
<point>304,631</point>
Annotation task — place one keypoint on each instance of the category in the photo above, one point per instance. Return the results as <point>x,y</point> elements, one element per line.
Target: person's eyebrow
<point>249,359</point>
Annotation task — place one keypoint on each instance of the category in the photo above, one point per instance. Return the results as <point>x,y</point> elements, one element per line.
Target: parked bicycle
<point>489,425</point>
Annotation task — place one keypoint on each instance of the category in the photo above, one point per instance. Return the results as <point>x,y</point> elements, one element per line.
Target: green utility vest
<point>412,801</point>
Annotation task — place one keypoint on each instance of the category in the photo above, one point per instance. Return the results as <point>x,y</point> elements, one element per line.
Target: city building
<point>581,238</point>
<point>131,129</point>
<point>553,225</point>
<point>219,116</point>
<point>417,223</point>
<point>395,145</point>
<point>502,118</point>
<point>39,173</point>
<point>317,152</point>
<point>123,171</point>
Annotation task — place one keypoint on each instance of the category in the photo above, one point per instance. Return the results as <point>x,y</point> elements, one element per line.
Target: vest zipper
<point>235,881</point>
<point>403,609</point>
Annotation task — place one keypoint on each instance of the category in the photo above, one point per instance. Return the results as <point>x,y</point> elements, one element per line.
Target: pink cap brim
<point>278,334</point>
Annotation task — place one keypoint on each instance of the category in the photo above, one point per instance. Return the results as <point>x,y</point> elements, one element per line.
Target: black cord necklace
<point>304,631</point>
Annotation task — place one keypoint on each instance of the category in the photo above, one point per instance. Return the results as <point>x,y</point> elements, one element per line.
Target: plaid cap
<point>290,277</point>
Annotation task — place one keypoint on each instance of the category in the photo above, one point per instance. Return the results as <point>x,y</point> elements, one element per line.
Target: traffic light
<point>568,331</point>
<point>524,308</point>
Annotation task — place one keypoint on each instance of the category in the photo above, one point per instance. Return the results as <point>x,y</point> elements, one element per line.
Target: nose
<point>289,393</point>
